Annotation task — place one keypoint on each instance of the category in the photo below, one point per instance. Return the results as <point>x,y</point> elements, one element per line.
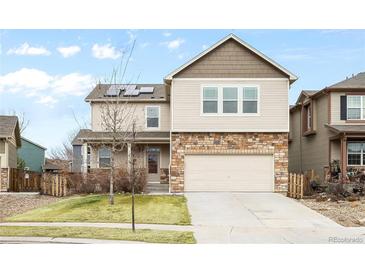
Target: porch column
<point>129,157</point>
<point>344,156</point>
<point>84,158</point>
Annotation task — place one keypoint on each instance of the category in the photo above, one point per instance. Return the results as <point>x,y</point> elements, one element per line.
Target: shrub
<point>98,180</point>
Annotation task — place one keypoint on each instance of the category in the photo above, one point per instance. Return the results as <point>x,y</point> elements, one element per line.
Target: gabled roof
<point>9,125</point>
<point>357,81</point>
<point>291,76</point>
<point>306,93</point>
<point>159,93</point>
<point>29,141</point>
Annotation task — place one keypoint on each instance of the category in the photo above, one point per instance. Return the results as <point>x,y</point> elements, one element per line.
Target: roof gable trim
<point>292,76</point>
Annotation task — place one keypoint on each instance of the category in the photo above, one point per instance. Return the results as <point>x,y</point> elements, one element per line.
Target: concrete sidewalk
<point>103,225</point>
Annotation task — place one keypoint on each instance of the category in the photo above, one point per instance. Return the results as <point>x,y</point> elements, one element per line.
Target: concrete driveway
<point>262,218</point>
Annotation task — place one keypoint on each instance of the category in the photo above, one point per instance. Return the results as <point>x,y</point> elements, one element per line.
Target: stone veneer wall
<point>3,179</point>
<point>229,143</point>
<point>164,175</point>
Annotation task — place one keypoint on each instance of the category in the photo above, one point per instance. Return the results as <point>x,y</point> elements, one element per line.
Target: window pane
<point>250,93</point>
<point>230,107</point>
<point>354,159</point>
<point>354,101</point>
<point>353,113</point>
<point>210,93</point>
<point>229,93</point>
<point>210,107</point>
<point>152,111</point>
<point>104,162</point>
<point>354,147</point>
<point>152,122</point>
<point>104,152</point>
<point>249,106</point>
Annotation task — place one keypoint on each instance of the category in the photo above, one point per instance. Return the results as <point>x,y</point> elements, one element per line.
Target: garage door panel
<point>229,173</point>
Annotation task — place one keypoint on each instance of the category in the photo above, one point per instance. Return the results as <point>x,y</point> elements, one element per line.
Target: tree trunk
<point>111,186</point>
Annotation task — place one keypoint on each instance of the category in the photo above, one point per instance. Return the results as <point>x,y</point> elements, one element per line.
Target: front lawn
<point>159,209</point>
<point>144,235</point>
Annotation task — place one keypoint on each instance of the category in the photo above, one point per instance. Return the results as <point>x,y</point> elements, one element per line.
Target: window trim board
<point>159,117</point>
<point>240,88</point>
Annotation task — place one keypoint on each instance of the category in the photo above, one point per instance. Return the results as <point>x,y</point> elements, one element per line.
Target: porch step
<point>160,188</point>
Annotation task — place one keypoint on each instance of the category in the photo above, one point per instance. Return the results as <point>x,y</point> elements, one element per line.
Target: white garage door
<point>229,173</point>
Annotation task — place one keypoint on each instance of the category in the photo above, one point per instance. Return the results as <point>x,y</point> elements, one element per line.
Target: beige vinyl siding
<point>273,107</point>
<point>315,148</point>
<point>336,108</point>
<point>12,155</point>
<point>229,173</point>
<point>230,60</point>
<point>139,112</point>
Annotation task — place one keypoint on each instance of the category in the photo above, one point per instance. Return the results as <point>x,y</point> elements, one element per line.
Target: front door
<point>153,164</point>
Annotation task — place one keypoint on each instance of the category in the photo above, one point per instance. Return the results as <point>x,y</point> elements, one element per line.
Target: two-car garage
<point>210,172</point>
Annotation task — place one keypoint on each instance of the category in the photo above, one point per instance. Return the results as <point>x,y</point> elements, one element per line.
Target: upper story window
<point>210,100</point>
<point>307,124</point>
<point>355,107</point>
<point>250,100</point>
<point>153,117</point>
<point>104,157</point>
<point>230,100</point>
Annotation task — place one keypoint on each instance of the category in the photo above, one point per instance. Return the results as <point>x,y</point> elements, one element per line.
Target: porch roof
<point>347,128</point>
<point>87,135</point>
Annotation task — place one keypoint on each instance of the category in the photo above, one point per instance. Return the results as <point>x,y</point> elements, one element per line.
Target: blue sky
<point>47,73</point>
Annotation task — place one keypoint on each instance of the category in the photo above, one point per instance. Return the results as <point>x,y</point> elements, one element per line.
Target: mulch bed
<point>345,213</point>
<point>16,204</point>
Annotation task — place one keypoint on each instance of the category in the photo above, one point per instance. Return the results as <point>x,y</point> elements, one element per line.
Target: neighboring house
<point>32,154</point>
<point>329,125</point>
<point>9,142</point>
<point>56,165</point>
<point>220,122</point>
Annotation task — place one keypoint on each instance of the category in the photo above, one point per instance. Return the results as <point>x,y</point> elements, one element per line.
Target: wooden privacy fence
<point>24,181</point>
<point>55,185</point>
<point>296,186</point>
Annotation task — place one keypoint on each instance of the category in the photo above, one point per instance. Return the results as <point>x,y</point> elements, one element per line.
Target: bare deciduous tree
<point>22,120</point>
<point>64,151</point>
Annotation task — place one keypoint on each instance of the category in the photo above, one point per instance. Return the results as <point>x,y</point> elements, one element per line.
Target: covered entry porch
<point>150,150</point>
<point>347,147</point>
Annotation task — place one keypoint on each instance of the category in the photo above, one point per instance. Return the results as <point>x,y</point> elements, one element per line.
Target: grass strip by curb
<point>143,235</point>
<point>156,209</point>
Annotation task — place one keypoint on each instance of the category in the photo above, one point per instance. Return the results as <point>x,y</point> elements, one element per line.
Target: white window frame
<point>159,117</point>
<point>239,99</point>
<point>106,167</point>
<point>361,153</point>
<point>229,100</point>
<point>362,98</point>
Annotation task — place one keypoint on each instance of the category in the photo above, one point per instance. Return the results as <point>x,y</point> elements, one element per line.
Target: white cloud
<point>69,51</point>
<point>204,47</point>
<point>26,49</point>
<point>174,44</point>
<point>47,89</point>
<point>166,34</point>
<point>106,51</point>
<point>132,36</point>
<point>47,100</point>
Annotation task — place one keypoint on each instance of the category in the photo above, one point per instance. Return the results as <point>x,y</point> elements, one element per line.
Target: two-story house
<point>329,125</point>
<point>9,142</point>
<point>220,122</point>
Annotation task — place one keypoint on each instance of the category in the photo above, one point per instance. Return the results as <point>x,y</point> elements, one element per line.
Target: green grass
<point>95,208</point>
<point>144,235</point>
